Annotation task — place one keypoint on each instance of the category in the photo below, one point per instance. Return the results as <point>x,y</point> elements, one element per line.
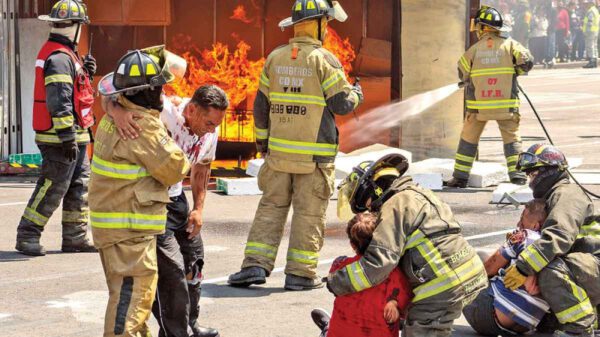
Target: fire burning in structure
<point>237,75</point>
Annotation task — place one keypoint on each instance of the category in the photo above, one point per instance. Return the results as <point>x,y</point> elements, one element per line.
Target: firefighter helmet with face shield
<point>67,11</point>
<point>142,69</point>
<point>367,187</point>
<point>542,155</point>
<point>314,9</point>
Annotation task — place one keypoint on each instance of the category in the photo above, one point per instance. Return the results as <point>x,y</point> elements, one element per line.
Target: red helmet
<point>542,155</point>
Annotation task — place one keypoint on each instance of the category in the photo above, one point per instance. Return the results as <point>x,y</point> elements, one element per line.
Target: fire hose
<point>537,115</point>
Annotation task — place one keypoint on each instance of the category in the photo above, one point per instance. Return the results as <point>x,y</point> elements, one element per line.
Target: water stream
<point>390,115</point>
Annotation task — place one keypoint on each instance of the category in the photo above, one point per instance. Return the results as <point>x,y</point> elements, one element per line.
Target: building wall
<point>433,39</point>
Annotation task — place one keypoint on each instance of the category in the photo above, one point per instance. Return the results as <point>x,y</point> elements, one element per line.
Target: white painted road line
<point>14,203</point>
<point>329,261</point>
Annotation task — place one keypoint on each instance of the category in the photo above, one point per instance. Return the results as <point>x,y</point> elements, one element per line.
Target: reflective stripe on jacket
<point>417,232</point>
<point>130,179</point>
<point>591,22</point>
<point>301,87</point>
<point>490,69</point>
<point>568,208</point>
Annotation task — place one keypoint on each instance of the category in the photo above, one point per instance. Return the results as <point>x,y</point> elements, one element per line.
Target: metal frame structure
<point>10,111</point>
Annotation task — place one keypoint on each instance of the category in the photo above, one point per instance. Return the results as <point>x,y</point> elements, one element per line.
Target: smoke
<point>385,117</point>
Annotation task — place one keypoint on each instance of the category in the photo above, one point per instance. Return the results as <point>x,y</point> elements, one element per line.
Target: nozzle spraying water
<point>384,117</point>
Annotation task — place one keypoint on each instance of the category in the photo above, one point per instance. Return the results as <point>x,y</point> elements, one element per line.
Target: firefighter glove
<point>328,283</point>
<point>89,63</point>
<point>357,89</point>
<point>70,150</point>
<point>513,278</point>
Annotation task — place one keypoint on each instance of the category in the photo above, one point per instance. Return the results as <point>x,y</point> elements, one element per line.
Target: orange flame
<point>237,75</point>
<point>239,13</point>
<point>342,48</point>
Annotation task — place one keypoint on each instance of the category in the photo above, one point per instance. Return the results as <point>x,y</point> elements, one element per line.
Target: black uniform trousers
<point>64,180</point>
<point>180,262</point>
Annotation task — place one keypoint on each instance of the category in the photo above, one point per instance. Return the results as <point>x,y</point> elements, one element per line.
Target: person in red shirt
<point>563,30</point>
<point>375,312</point>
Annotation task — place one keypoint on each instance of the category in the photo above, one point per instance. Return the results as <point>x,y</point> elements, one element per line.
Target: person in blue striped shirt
<point>512,312</point>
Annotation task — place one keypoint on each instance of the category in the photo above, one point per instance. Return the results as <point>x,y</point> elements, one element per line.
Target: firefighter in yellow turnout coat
<point>128,192</point>
<point>489,70</point>
<point>417,233</point>
<point>302,86</point>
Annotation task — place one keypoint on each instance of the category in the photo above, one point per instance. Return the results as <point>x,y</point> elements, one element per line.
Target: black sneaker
<point>321,318</point>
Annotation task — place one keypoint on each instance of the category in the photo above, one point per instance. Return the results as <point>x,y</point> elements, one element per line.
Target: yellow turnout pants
<point>309,195</point>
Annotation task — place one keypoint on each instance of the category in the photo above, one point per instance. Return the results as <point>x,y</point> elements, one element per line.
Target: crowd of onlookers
<point>552,30</point>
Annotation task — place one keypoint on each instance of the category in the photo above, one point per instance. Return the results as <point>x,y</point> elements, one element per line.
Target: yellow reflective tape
<point>486,70</point>
<point>261,134</point>
<point>289,146</point>
<point>150,69</point>
<point>59,78</point>
<point>462,168</point>
<point>303,256</point>
<point>35,217</point>
<point>512,159</point>
<point>41,193</point>
<point>499,72</point>
<point>134,71</point>
<point>589,230</point>
<point>17,165</point>
<point>63,122</point>
<point>123,220</point>
<point>298,6</point>
<point>357,276</point>
<point>576,312</point>
<point>264,80</point>
<point>464,158</point>
<point>493,104</point>
<point>31,165</point>
<point>533,258</point>
<point>75,216</point>
<point>257,248</point>
<point>331,81</point>
<point>297,98</point>
<point>311,5</point>
<point>465,63</point>
<point>461,274</point>
<point>118,171</point>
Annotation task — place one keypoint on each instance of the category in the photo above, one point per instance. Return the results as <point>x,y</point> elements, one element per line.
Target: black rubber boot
<point>247,277</point>
<point>296,283</point>
<point>30,247</point>
<point>78,246</point>
<point>457,183</point>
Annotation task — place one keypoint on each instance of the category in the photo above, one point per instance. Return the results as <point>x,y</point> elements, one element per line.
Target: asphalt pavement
<point>63,295</point>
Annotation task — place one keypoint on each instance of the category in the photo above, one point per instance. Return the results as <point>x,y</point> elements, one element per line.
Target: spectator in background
<point>539,35</point>
<point>552,16</point>
<point>562,32</point>
<point>577,38</point>
<point>522,22</point>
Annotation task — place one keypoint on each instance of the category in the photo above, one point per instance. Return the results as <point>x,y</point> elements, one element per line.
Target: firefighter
<point>489,70</point>
<point>194,125</point>
<point>416,232</point>
<point>566,258</point>
<point>591,26</point>
<point>129,188</point>
<point>301,88</point>
<point>62,115</point>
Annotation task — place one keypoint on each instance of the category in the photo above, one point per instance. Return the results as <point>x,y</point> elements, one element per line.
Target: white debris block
<point>487,174</point>
<point>519,193</point>
<point>254,166</point>
<point>587,178</point>
<point>482,174</point>
<point>239,186</point>
<point>432,181</point>
<point>574,162</point>
<point>344,164</point>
